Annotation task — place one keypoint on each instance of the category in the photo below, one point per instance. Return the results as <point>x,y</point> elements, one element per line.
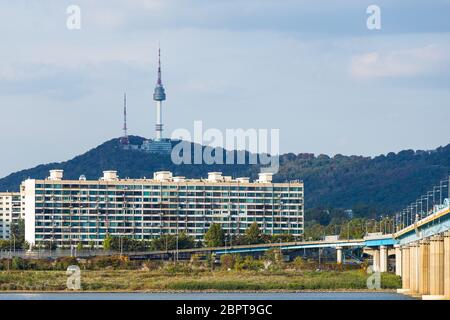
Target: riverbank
<point>205,281</point>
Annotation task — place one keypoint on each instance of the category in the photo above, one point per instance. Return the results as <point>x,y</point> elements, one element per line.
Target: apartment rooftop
<point>111,176</point>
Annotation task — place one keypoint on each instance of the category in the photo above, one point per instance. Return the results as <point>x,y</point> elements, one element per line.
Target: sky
<point>309,68</point>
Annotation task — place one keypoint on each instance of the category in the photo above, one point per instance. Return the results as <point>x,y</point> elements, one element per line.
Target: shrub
<point>18,263</point>
<point>299,263</point>
<point>64,262</point>
<point>249,263</point>
<point>227,261</point>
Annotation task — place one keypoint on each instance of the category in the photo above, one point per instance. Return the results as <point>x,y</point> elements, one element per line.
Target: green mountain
<point>384,183</point>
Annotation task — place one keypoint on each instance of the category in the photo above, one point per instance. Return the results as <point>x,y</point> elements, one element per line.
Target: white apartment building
<point>10,212</point>
<point>66,212</point>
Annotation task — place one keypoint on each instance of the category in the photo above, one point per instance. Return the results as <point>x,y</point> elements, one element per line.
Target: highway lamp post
<point>416,207</point>
<point>385,220</point>
<point>167,244</point>
<point>281,252</point>
<point>411,219</point>
<point>441,186</point>
<point>348,230</point>
<point>382,224</point>
<point>448,189</point>
<point>366,223</point>
<point>418,213</point>
<point>413,214</point>
<point>176,260</point>
<point>121,245</point>
<point>10,258</point>
<point>423,212</point>
<point>417,216</point>
<point>435,190</point>
<point>421,206</point>
<point>429,194</point>
<point>408,212</point>
<point>387,225</point>
<point>404,218</point>
<point>14,243</point>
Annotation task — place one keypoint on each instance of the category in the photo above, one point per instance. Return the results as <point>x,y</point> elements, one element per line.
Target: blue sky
<point>309,68</point>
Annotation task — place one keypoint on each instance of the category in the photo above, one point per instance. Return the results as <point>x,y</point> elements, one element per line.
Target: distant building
<point>349,213</point>
<point>10,212</point>
<point>158,145</point>
<point>66,212</point>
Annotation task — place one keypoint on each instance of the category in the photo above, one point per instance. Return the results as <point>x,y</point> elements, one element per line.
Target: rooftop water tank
<point>56,174</point>
<point>110,175</point>
<point>162,176</point>
<point>215,176</point>
<point>265,177</point>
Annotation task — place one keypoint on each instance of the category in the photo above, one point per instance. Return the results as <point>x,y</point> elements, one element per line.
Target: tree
<point>17,263</point>
<point>107,242</point>
<point>79,246</point>
<point>253,234</point>
<point>215,236</point>
<point>227,261</point>
<point>169,242</point>
<point>299,263</point>
<point>18,233</point>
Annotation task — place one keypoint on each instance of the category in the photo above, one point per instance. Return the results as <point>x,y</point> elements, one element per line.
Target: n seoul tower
<point>159,96</point>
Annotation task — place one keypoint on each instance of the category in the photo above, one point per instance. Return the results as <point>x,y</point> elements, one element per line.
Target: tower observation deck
<point>159,144</point>
<point>159,96</point>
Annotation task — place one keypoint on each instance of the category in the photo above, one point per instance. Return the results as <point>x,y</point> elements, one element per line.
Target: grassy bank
<point>135,280</point>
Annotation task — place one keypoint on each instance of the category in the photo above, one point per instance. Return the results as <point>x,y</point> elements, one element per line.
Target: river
<point>207,296</point>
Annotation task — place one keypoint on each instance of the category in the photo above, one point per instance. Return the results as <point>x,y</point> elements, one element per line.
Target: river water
<point>207,296</point>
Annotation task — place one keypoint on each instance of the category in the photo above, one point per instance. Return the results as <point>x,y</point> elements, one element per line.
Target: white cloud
<point>403,63</point>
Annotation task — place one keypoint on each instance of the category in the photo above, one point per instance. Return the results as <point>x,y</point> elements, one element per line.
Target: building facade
<point>10,212</point>
<point>66,212</point>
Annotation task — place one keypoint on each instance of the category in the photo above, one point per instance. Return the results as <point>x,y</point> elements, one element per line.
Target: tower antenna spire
<point>159,96</point>
<point>124,140</point>
<point>159,67</point>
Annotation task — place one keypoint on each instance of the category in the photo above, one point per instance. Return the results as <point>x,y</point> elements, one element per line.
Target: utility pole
<point>121,245</point>
<point>176,261</point>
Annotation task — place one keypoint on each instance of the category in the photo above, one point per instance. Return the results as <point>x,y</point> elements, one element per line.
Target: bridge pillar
<point>405,269</point>
<point>424,267</point>
<point>436,269</point>
<point>339,255</point>
<point>398,260</point>
<point>376,260</point>
<point>413,269</point>
<point>447,265</point>
<point>383,259</point>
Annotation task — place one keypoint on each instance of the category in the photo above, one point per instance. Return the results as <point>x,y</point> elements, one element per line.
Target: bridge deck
<point>422,223</point>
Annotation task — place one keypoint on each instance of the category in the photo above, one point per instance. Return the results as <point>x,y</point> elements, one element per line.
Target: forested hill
<point>383,183</point>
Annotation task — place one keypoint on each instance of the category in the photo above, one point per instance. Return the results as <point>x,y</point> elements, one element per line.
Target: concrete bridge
<point>377,245</point>
<point>370,244</point>
<point>423,255</point>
